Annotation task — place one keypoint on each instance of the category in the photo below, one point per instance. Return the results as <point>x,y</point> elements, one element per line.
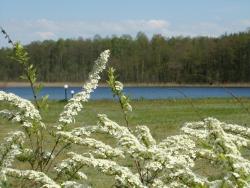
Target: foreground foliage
<point>168,163</point>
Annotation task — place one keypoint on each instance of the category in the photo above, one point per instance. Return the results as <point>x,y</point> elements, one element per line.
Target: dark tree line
<point>140,59</point>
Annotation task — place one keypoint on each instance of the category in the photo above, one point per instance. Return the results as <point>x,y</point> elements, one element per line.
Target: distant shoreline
<point>80,84</point>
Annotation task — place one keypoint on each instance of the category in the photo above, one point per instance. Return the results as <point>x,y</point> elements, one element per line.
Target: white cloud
<point>48,29</point>
<point>158,24</point>
<point>208,28</point>
<point>30,30</point>
<point>245,22</point>
<point>46,35</point>
<point>211,29</point>
<point>107,28</point>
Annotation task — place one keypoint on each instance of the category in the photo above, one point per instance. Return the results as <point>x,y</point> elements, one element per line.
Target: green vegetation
<point>163,117</point>
<point>140,60</point>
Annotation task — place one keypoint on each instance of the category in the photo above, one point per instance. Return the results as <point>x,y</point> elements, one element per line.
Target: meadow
<point>163,117</point>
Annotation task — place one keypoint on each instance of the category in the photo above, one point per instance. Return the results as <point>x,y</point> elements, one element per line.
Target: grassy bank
<point>163,117</point>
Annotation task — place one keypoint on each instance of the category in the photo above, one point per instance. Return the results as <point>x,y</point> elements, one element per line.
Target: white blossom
<point>27,113</point>
<point>10,148</point>
<point>122,174</point>
<point>126,140</point>
<point>236,129</point>
<point>125,103</point>
<point>225,148</point>
<point>118,86</point>
<point>24,105</point>
<point>172,155</point>
<point>73,184</point>
<point>144,136</point>
<point>35,176</point>
<point>75,103</point>
<point>101,149</point>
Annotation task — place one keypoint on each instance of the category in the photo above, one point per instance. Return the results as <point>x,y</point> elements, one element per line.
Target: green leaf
<point>38,88</point>
<point>23,77</point>
<point>44,102</point>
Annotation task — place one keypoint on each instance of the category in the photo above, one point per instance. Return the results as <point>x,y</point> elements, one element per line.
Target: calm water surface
<point>138,92</point>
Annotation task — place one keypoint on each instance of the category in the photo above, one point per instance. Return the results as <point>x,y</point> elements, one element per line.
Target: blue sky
<point>28,20</point>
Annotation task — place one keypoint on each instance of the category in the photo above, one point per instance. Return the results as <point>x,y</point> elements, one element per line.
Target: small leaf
<point>23,77</point>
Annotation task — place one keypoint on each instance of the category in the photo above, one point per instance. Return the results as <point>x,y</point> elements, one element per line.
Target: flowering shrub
<point>168,163</point>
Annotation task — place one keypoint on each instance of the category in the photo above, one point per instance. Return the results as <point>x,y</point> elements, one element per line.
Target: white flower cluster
<point>32,175</point>
<point>69,169</point>
<point>143,135</point>
<point>127,141</point>
<point>10,148</point>
<point>117,88</point>
<point>73,184</point>
<point>224,149</point>
<point>101,149</point>
<point>123,175</point>
<point>75,104</point>
<point>86,130</point>
<point>236,129</point>
<point>170,160</point>
<point>27,114</point>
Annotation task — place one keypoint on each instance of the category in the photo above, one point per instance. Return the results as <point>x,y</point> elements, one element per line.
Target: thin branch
<point>56,155</point>
<point>237,99</point>
<point>7,36</point>
<point>190,102</point>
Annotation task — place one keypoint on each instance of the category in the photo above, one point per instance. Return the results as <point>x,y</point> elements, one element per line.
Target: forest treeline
<point>140,59</point>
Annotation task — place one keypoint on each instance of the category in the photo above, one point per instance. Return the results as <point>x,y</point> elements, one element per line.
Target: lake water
<point>139,92</point>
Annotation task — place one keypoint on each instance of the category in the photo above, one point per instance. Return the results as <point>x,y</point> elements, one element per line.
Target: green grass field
<point>163,117</point>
